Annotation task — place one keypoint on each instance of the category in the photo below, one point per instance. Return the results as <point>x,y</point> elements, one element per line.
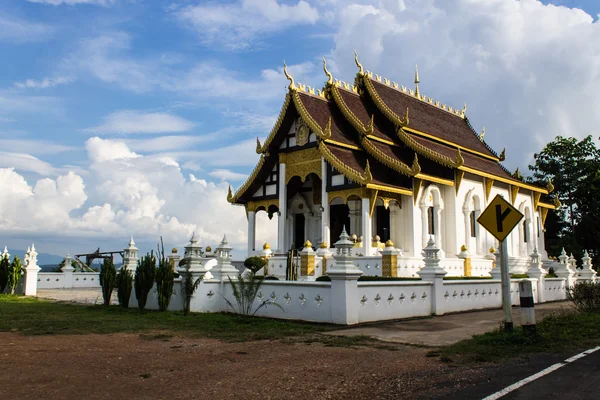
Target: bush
<point>255,263</point>
<point>271,278</point>
<point>586,296</point>
<point>4,271</point>
<point>323,278</point>
<point>188,287</point>
<point>519,276</point>
<point>164,280</point>
<point>144,278</point>
<point>108,279</point>
<point>14,274</point>
<point>245,291</point>
<point>124,286</point>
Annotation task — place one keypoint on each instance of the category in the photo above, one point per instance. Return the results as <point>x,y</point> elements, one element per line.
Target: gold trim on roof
<point>435,179</point>
<point>345,194</point>
<point>275,129</point>
<point>502,155</point>
<point>488,183</point>
<point>546,206</point>
<point>536,200</point>
<point>350,116</point>
<point>458,177</point>
<point>329,76</point>
<point>389,189</point>
<point>395,118</point>
<point>340,144</point>
<point>336,163</point>
<point>544,214</point>
<point>292,86</point>
<point>417,183</point>
<point>358,64</point>
<point>383,158</point>
<point>514,191</point>
<point>424,151</point>
<point>254,205</point>
<point>303,163</point>
<point>248,182</point>
<point>306,117</point>
<point>550,186</point>
<point>504,180</point>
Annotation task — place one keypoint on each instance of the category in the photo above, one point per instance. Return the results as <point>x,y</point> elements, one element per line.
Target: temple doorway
<point>382,223</point>
<point>339,217</point>
<point>299,223</point>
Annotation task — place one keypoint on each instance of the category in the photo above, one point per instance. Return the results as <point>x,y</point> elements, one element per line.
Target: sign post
<point>500,218</point>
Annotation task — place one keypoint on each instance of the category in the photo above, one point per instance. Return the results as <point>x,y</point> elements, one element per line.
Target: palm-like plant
<point>164,279</point>
<point>14,274</point>
<point>188,288</point>
<point>245,290</point>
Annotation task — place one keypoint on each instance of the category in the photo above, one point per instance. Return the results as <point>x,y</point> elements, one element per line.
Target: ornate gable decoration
<point>302,133</point>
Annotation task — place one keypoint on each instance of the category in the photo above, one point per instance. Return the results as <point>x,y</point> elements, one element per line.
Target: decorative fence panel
<point>392,300</point>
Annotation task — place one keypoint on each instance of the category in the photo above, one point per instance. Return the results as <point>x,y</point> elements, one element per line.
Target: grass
<point>557,333</point>
<point>32,316</point>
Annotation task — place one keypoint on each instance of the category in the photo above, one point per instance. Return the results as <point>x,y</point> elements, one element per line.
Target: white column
<point>424,226</point>
<point>130,257</point>
<point>251,232</point>
<point>394,224</point>
<point>467,215</point>
<point>31,272</point>
<point>67,269</point>
<point>367,233</point>
<point>281,245</point>
<point>325,231</point>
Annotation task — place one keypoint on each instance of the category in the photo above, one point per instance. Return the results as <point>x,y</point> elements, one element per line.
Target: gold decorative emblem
<point>302,134</point>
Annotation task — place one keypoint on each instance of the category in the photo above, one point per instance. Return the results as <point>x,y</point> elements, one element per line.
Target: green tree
<point>144,278</point>
<point>124,286</point>
<point>4,272</point>
<point>14,274</point>
<point>108,279</point>
<point>573,166</point>
<point>164,279</point>
<point>188,286</point>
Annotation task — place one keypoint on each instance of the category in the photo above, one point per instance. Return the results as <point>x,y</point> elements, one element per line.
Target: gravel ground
<point>131,366</point>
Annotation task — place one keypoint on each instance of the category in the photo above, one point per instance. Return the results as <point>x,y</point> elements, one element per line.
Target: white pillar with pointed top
<point>563,268</point>
<point>536,271</point>
<point>68,269</point>
<point>31,273</point>
<point>5,253</point>
<point>587,272</point>
<point>193,255</point>
<point>224,269</point>
<point>130,256</point>
<point>432,272</point>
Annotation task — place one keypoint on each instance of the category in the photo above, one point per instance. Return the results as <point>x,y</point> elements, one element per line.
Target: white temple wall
<point>452,221</point>
<point>471,198</point>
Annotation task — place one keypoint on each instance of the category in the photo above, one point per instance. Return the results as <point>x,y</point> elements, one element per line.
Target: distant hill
<point>43,258</point>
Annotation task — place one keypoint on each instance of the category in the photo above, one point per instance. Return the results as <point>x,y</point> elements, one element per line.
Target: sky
<point>132,117</point>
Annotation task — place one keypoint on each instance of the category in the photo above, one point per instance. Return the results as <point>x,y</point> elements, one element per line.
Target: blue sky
<point>132,117</point>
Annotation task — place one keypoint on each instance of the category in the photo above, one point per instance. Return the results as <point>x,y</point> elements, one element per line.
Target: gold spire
<point>292,86</point>
<point>550,186</point>
<point>557,202</point>
<point>464,111</point>
<point>417,93</point>
<point>368,175</point>
<point>517,174</point>
<point>358,64</point>
<point>371,125</point>
<point>229,195</point>
<point>502,156</point>
<point>416,168</point>
<point>481,136</point>
<point>459,159</point>
<point>258,146</point>
<point>327,130</point>
<point>329,76</point>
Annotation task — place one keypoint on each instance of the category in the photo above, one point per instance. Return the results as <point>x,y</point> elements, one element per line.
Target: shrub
<point>255,263</point>
<point>124,286</point>
<point>271,278</point>
<point>188,288</point>
<point>245,289</point>
<point>586,296</point>
<point>108,279</point>
<point>4,271</point>
<point>164,279</point>
<point>519,276</point>
<point>14,274</point>
<point>323,278</point>
<point>144,278</point>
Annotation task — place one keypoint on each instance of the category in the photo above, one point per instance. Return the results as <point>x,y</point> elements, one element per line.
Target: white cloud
<point>100,150</point>
<point>527,71</point>
<point>227,175</point>
<point>26,162</point>
<point>11,102</point>
<point>235,26</point>
<point>44,83</point>
<point>168,143</point>
<point>131,121</point>
<point>17,30</point>
<point>32,146</point>
<point>74,2</point>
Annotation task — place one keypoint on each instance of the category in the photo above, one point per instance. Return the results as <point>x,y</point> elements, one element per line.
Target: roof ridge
<point>480,137</point>
<point>421,97</point>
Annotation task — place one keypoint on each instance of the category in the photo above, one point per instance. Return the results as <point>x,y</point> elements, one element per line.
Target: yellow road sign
<point>500,218</point>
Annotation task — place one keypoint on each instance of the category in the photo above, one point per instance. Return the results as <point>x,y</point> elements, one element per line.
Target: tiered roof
<point>383,136</point>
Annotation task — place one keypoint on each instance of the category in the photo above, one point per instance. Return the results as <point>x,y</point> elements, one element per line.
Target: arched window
<point>525,232</point>
<point>431,220</point>
<point>473,223</point>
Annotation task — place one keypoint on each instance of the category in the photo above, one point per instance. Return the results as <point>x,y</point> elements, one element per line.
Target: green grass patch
<point>551,276</point>
<point>557,333</point>
<point>519,276</point>
<point>32,316</point>
<point>465,278</point>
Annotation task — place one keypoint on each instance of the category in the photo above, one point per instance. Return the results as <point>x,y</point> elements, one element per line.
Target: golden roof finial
<point>481,136</point>
<point>371,125</point>
<point>358,64</point>
<point>464,110</point>
<point>557,202</point>
<point>517,174</point>
<point>416,168</point>
<point>329,76</point>
<point>327,130</point>
<point>368,175</point>
<point>459,159</point>
<point>258,146</point>
<point>417,93</point>
<point>230,195</point>
<point>292,86</point>
<point>502,156</point>
<point>550,186</point>
<point>405,120</point>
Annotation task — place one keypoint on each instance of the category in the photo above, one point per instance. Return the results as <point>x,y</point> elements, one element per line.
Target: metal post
<point>506,302</point>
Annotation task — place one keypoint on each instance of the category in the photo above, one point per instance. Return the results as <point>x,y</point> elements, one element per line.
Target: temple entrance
<point>382,223</point>
<point>298,238</point>
<point>339,216</point>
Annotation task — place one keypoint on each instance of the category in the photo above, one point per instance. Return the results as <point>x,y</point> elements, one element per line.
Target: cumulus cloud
<point>227,175</point>
<point>527,71</point>
<point>236,26</point>
<point>131,121</point>
<point>26,162</point>
<point>18,30</point>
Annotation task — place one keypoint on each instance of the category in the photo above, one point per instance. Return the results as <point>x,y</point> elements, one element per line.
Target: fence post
<point>325,255</point>
<point>527,306</point>
<point>307,261</point>
<point>31,272</point>
<point>68,269</point>
<point>224,269</point>
<point>587,272</point>
<point>536,271</point>
<point>563,269</point>
<point>464,254</point>
<point>432,272</point>
<point>344,283</point>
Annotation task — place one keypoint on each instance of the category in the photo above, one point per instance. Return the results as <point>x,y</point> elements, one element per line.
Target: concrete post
<point>563,269</point>
<point>587,272</point>
<point>307,261</point>
<point>281,221</point>
<point>31,272</point>
<point>344,288</point>
<point>496,273</point>
<point>491,256</point>
<point>326,257</point>
<point>536,271</point>
<point>193,258</point>
<point>224,269</point>
<point>389,260</point>
<point>174,259</point>
<point>432,272</point>
<point>130,257</point>
<point>366,226</point>
<point>67,269</point>
<point>466,257</point>
<point>527,307</point>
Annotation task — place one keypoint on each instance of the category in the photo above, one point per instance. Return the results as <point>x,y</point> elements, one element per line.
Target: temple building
<point>389,164</point>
